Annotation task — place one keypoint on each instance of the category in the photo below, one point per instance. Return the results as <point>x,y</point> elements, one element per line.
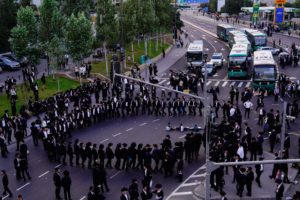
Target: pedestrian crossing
<point>215,83</point>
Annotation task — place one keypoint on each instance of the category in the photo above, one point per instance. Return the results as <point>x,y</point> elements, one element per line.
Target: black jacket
<point>66,182</point>
<point>57,180</point>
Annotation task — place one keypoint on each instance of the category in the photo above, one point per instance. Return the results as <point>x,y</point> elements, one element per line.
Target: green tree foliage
<point>79,36</point>
<point>203,5</point>
<point>213,5</point>
<point>148,19</point>
<point>24,37</point>
<point>8,19</point>
<point>233,7</point>
<point>25,3</point>
<point>179,22</point>
<point>129,22</point>
<point>75,7</point>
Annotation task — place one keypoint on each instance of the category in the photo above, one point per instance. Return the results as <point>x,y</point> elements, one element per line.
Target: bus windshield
<point>229,29</point>
<point>237,61</point>
<point>194,57</point>
<point>260,40</point>
<point>264,73</point>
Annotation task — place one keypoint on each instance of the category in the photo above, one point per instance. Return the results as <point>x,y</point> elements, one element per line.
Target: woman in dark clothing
<point>66,184</point>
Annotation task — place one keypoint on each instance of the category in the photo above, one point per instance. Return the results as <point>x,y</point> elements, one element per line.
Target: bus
<point>238,62</point>
<point>256,38</point>
<point>243,40</point>
<point>243,30</point>
<point>194,54</point>
<point>264,70</point>
<point>223,31</point>
<point>232,35</point>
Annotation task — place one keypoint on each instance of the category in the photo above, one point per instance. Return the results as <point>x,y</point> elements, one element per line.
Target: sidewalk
<point>268,185</point>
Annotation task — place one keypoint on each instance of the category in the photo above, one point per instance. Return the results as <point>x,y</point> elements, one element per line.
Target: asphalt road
<point>145,129</point>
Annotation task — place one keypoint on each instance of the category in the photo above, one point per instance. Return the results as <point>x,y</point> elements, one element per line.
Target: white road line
<point>129,129</point>
<point>155,120</point>
<point>116,134</point>
<point>143,124</point>
<point>198,84</point>
<point>44,174</point>
<point>232,83</point>
<point>168,83</point>
<point>23,186</point>
<point>114,175</point>
<point>5,196</point>
<point>189,184</point>
<point>104,140</point>
<point>208,82</point>
<point>248,84</point>
<point>199,175</point>
<point>217,83</point>
<point>57,166</point>
<point>182,193</point>
<point>240,84</point>
<point>224,84</point>
<point>82,198</point>
<point>162,81</point>
<point>182,136</point>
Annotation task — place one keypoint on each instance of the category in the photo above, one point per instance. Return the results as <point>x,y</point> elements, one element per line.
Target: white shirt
<point>181,128</point>
<point>261,167</point>
<point>240,152</point>
<point>279,187</point>
<point>76,69</point>
<point>232,111</point>
<point>248,104</point>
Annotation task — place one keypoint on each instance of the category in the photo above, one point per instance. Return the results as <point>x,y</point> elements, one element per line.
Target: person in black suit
<point>57,182</point>
<point>235,168</point>
<point>24,167</point>
<point>287,144</point>
<point>109,154</point>
<point>102,178</point>
<point>19,137</point>
<point>241,181</point>
<point>147,177</point>
<point>217,107</point>
<point>272,139</point>
<point>275,167</point>
<point>34,134</point>
<point>222,194</point>
<point>5,183</point>
<point>124,195</point>
<point>82,154</point>
<point>23,149</point>
<point>144,194</point>
<point>66,183</point>
<point>63,152</point>
<point>261,113</point>
<point>159,192</point>
<point>259,168</point>
<point>156,156</point>
<point>125,154</point>
<point>260,102</point>
<point>77,151</point>
<point>253,148</point>
<point>279,189</point>
<point>249,180</point>
<point>96,195</point>
<point>91,193</point>
<point>70,153</point>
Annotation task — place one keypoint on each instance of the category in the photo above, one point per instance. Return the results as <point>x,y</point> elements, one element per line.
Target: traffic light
<point>122,55</point>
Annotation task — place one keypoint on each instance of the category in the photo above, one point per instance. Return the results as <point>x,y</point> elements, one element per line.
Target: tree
<point>213,5</point>
<point>8,20</point>
<point>25,3</point>
<point>75,7</point>
<point>79,36</point>
<point>107,25</point>
<point>203,5</point>
<point>233,7</point>
<point>23,39</point>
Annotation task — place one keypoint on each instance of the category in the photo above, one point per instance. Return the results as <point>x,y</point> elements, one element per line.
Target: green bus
<point>243,40</point>
<point>238,61</point>
<point>264,70</point>
<point>256,39</point>
<point>223,31</point>
<point>232,35</point>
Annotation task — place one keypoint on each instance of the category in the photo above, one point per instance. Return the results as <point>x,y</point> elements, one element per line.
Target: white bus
<point>194,54</point>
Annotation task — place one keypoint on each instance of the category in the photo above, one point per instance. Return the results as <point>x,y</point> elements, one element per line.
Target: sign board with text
<point>279,1</point>
<point>256,4</point>
<point>278,15</point>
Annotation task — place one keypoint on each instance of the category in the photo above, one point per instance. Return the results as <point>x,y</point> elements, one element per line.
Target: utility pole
<point>282,134</point>
<point>175,29</point>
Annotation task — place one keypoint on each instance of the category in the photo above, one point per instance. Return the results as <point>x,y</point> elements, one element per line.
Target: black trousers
<point>156,165</point>
<point>125,162</point>
<point>35,140</point>
<point>18,173</point>
<point>258,177</point>
<point>103,182</point>
<point>249,188</point>
<point>260,119</point>
<point>71,159</point>
<point>23,174</point>
<point>108,164</point>
<point>6,189</point>
<point>140,163</point>
<point>247,111</point>
<point>117,165</point>
<point>57,191</point>
<point>272,145</point>
<point>67,192</point>
<point>253,154</point>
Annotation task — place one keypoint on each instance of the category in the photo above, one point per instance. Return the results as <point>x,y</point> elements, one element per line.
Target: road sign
<point>206,8</point>
<point>279,15</point>
<point>121,48</point>
<point>256,4</point>
<point>279,1</point>
<point>212,116</point>
<point>148,61</point>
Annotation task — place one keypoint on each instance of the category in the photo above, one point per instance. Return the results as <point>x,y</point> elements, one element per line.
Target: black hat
<point>278,181</point>
<point>271,110</point>
<point>155,145</point>
<point>134,180</point>
<point>260,133</point>
<point>110,144</point>
<point>124,145</point>
<point>286,134</point>
<point>222,193</point>
<point>3,171</point>
<point>147,145</point>
<point>243,170</point>
<point>158,186</point>
<point>124,189</point>
<point>250,168</point>
<point>6,111</point>
<point>261,158</point>
<point>168,136</point>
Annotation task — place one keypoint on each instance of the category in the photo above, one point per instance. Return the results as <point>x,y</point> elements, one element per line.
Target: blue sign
<point>121,48</point>
<point>148,61</point>
<point>196,1</point>
<point>212,116</point>
<point>279,15</point>
<point>206,8</point>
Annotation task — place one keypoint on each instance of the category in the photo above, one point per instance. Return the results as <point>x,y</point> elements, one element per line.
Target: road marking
<point>82,198</point>
<point>248,84</point>
<point>182,193</point>
<point>162,81</point>
<point>143,124</point>
<point>192,35</point>
<point>199,175</point>
<point>115,175</point>
<point>5,196</point>
<point>217,83</point>
<point>129,129</point>
<point>44,174</point>
<point>57,166</point>
<point>104,140</point>
<point>240,84</point>
<point>23,186</point>
<point>208,83</point>
<point>182,136</point>
<point>189,184</point>
<point>168,83</point>
<point>224,84</point>
<point>232,84</point>
<point>116,134</point>
<point>155,120</point>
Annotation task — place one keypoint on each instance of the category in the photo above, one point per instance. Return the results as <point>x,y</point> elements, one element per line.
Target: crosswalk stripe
<point>232,83</point>
<point>240,84</point>
<point>208,83</point>
<point>224,84</point>
<point>248,84</point>
<point>217,83</point>
<point>182,193</point>
<point>162,81</point>
<point>168,83</point>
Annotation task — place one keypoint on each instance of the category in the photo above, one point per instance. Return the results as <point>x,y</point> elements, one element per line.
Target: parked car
<point>217,58</point>
<point>273,50</point>
<point>14,58</point>
<point>8,64</point>
<point>211,68</point>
